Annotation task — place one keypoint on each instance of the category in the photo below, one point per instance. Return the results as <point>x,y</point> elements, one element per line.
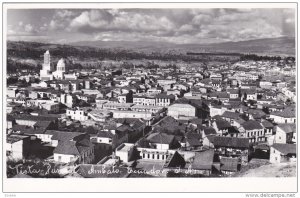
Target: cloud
<point>171,25</point>
<point>61,19</point>
<point>28,28</point>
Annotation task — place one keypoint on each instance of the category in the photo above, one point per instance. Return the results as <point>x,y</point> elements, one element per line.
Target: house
<point>71,147</point>
<point>216,110</point>
<point>283,153</point>
<point>30,120</point>
<point>255,114</point>
<point>77,114</point>
<point>116,106</point>
<point>132,114</point>
<point>161,141</point>
<point>134,127</point>
<point>233,118</point>
<point>285,134</point>
<point>163,81</point>
<point>109,139</point>
<point>253,130</point>
<point>147,108</point>
<point>12,91</point>
<point>285,116</point>
<point>164,99</point>
<point>182,111</point>
<point>232,147</point>
<point>203,162</point>
<point>154,91</point>
<point>249,94</point>
<point>229,166</point>
<point>125,152</point>
<point>268,129</point>
<point>265,84</point>
<point>233,93</point>
<point>125,98</point>
<point>221,126</point>
<point>49,105</point>
<point>143,100</point>
<point>208,134</point>
<point>67,99</point>
<point>191,141</point>
<point>17,146</point>
<point>10,121</point>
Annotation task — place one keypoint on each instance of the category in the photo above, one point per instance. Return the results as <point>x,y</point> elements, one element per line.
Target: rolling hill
<point>283,46</point>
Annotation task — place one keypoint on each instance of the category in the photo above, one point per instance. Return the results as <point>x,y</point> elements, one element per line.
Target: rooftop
<point>203,160</point>
<point>285,148</point>
<point>232,142</point>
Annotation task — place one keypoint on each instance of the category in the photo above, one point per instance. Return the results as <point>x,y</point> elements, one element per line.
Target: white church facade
<point>48,73</point>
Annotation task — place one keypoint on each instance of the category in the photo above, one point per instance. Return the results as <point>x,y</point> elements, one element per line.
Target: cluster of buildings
<point>209,121</point>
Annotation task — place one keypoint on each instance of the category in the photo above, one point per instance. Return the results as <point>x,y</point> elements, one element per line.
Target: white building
<point>48,73</point>
<point>181,110</point>
<point>77,114</point>
<point>60,69</point>
<point>283,153</point>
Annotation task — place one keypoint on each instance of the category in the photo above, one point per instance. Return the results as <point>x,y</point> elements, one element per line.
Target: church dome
<point>61,63</point>
<point>61,67</point>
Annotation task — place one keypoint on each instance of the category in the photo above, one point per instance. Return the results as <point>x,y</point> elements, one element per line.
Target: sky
<point>180,26</point>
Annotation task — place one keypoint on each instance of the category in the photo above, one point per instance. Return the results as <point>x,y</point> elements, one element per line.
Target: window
<point>148,155</point>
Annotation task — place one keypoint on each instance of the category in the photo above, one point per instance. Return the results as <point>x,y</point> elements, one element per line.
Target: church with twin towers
<point>48,71</point>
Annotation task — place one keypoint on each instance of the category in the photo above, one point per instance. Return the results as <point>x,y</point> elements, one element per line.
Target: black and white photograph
<point>149,92</point>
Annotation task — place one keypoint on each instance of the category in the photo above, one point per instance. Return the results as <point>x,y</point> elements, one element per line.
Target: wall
<point>64,158</point>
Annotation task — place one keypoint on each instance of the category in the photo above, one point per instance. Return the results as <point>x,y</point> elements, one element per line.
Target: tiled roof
<point>288,128</point>
<point>232,115</point>
<point>34,118</point>
<point>106,134</point>
<point>252,125</point>
<point>203,160</point>
<point>210,131</point>
<point>193,142</point>
<point>222,124</point>
<point>229,164</point>
<point>63,135</point>
<point>286,113</point>
<point>163,95</point>
<point>285,148</point>
<point>231,142</point>
<point>267,124</point>
<point>160,138</point>
<point>176,161</point>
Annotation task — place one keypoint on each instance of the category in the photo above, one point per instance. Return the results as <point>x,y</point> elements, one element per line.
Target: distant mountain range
<point>283,46</point>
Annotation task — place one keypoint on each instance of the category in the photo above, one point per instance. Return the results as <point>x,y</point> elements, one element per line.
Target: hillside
<point>284,46</point>
<point>273,170</point>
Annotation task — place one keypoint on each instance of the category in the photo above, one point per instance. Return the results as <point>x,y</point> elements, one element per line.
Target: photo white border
<point>138,184</point>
